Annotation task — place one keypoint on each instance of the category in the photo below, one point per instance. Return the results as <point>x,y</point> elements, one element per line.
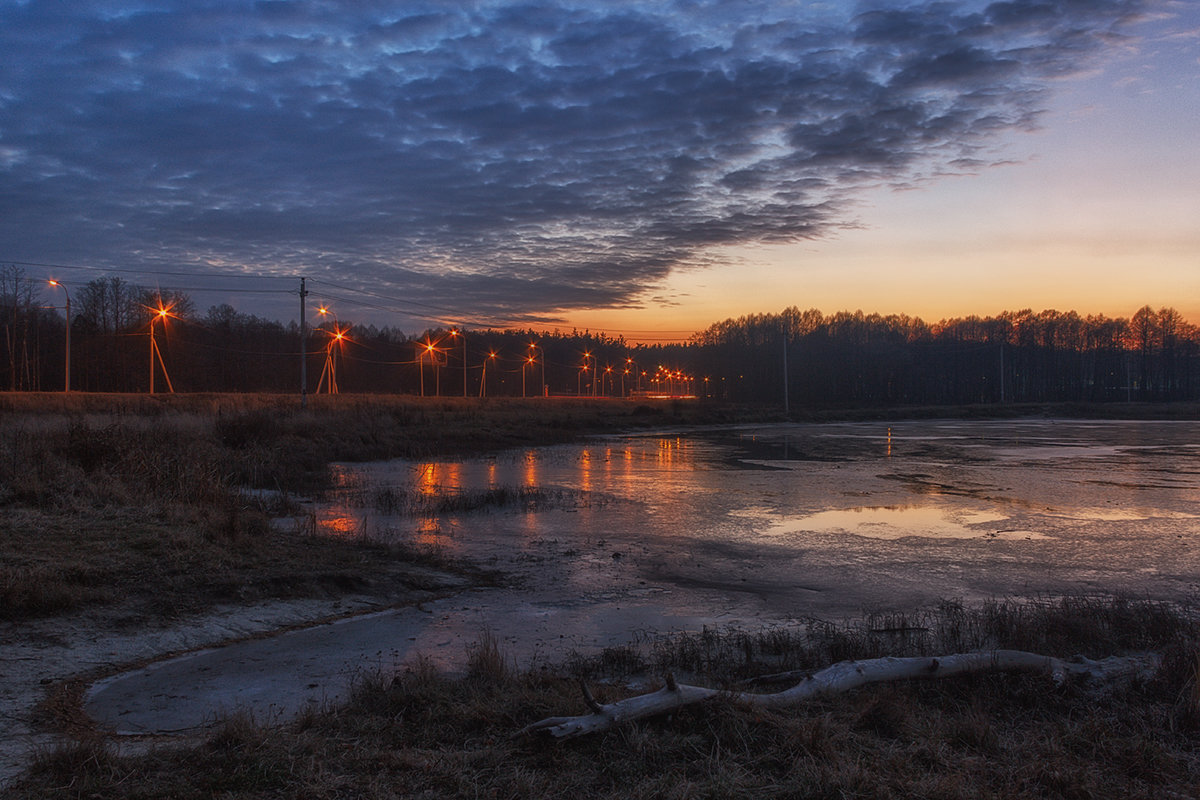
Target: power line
<point>400,305</point>
<point>385,297</point>
<point>126,270</point>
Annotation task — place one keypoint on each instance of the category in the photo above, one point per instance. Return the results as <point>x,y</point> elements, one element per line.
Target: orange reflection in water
<point>531,468</point>
<point>585,471</point>
<point>427,479</point>
<point>336,523</point>
<point>429,533</point>
<point>669,451</point>
<point>437,477</point>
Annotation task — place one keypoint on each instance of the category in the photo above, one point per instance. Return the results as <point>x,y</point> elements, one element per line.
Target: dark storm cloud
<point>517,157</point>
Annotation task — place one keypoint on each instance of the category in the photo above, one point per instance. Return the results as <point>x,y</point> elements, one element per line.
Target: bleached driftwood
<point>843,677</point>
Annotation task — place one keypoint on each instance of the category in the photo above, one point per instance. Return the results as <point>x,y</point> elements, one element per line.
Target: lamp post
<point>67,379</point>
<point>457,332</point>
<point>483,381</point>
<point>538,349</point>
<point>529,361</point>
<point>159,313</point>
<point>330,366</point>
<point>335,338</point>
<point>430,351</point>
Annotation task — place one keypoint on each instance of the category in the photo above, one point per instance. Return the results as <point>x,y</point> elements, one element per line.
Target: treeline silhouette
<point>1017,356</point>
<point>119,338</point>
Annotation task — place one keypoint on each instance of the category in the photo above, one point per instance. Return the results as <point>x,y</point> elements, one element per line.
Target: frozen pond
<point>765,525</point>
<point>628,537</point>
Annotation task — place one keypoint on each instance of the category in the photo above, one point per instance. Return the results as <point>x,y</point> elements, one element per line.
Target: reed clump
<point>410,501</point>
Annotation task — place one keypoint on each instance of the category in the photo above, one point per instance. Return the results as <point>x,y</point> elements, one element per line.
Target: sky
<point>640,168</point>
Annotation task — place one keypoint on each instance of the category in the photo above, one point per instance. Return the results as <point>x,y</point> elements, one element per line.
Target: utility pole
<point>1001,371</point>
<point>785,375</point>
<point>303,348</point>
<point>67,378</point>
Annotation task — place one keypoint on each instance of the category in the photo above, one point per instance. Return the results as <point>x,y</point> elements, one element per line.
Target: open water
<point>765,525</point>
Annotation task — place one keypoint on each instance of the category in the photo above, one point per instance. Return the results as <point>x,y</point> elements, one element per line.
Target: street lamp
<point>431,351</point>
<point>586,356</point>
<point>158,313</point>
<point>542,386</point>
<point>457,332</point>
<point>335,338</point>
<point>67,379</point>
<point>529,360</point>
<point>483,381</point>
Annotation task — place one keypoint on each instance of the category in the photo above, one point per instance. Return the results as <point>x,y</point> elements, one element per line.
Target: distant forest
<point>118,340</point>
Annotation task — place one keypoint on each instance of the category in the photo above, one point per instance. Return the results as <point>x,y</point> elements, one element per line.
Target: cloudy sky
<point>642,167</point>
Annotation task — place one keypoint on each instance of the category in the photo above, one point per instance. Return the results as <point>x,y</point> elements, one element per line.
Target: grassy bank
<point>140,501</point>
<point>416,733</point>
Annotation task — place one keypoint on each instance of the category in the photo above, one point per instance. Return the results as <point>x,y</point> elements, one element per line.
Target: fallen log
<point>844,676</point>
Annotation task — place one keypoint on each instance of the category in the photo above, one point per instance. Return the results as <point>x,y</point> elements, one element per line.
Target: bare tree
<point>20,299</point>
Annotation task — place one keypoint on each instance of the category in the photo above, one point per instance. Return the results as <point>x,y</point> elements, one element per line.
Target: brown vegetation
<point>421,734</point>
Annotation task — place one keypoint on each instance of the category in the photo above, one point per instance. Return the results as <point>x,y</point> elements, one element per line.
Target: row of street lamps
<point>162,312</point>
<point>337,336</point>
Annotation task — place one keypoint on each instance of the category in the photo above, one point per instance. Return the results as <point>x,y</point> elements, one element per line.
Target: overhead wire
<point>398,305</point>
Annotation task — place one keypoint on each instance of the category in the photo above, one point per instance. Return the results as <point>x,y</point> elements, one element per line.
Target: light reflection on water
<point>896,522</point>
<point>787,519</point>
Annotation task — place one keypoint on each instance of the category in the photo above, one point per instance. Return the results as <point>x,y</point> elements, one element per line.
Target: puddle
<point>898,522</point>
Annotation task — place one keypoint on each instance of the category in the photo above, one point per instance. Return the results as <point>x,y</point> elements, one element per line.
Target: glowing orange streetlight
<point>162,312</point>
<point>529,361</point>
<point>608,375</point>
<point>483,381</point>
<point>336,337</point>
<point>586,356</point>
<point>538,348</point>
<point>457,332</point>
<point>429,348</point>
<point>67,379</point>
